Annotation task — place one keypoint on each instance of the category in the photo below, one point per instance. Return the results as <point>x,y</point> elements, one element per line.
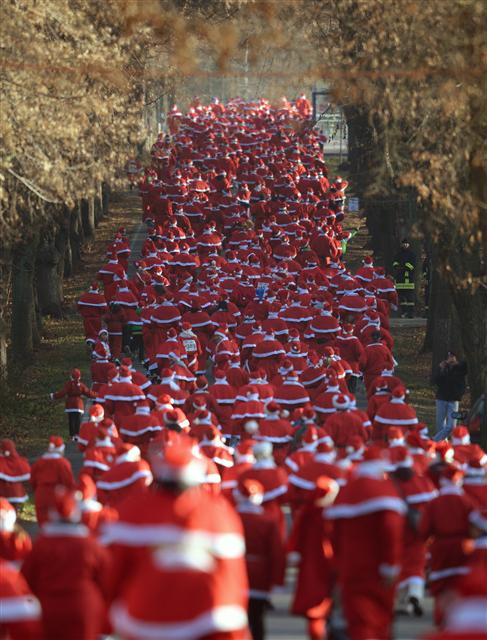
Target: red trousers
<point>368,606</point>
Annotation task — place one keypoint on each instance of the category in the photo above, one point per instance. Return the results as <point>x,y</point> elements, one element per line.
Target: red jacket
<point>20,610</point>
<point>67,570</point>
<point>73,392</point>
<point>49,471</point>
<point>178,566</point>
<point>14,471</point>
<point>265,555</point>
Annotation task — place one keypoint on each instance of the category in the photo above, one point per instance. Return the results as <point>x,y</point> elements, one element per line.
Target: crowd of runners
<point>244,417</point>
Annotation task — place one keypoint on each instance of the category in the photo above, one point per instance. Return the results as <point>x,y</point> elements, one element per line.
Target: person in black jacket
<point>450,382</point>
<point>404,265</point>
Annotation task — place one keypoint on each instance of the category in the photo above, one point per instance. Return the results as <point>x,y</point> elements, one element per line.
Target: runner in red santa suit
<point>92,306</point>
<point>15,543</point>
<point>101,357</point>
<point>68,570</point>
<point>274,480</point>
<point>123,395</point>
<point>20,611</point>
<point>265,554</point>
<point>51,470</point>
<point>14,471</point>
<point>311,549</point>
<point>128,473</point>
<point>344,425</point>
<point>73,391</point>
<point>394,413</point>
<point>179,569</point>
<point>100,455</point>
<point>416,491</point>
<point>445,520</point>
<point>369,524</point>
<point>375,359</point>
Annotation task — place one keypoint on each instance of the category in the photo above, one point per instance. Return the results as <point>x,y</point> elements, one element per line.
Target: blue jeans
<point>444,420</point>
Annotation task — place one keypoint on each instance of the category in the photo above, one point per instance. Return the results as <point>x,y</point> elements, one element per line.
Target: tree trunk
<point>5,261</point>
<point>105,198</point>
<point>446,327</point>
<point>49,274</point>
<point>472,313</point>
<point>23,304</point>
<point>75,238</point>
<point>87,209</point>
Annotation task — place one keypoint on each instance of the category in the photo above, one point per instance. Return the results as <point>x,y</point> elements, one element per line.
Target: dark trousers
<point>256,612</point>
<point>74,422</point>
<point>407,301</point>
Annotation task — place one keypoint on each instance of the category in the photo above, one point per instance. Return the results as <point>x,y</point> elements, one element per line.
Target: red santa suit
<point>345,425</point>
<point>184,549</point>
<point>213,448</point>
<point>417,491</point>
<point>67,570</point>
<point>369,521</point>
<point>140,427</point>
<point>273,479</point>
<point>101,360</point>
<point>92,306</point>
<point>14,471</point>
<point>446,520</point>
<point>129,473</point>
<point>310,543</point>
<point>265,556</point>
<point>48,472</point>
<point>268,354</point>
<point>20,610</point>
<point>395,413</point>
<point>15,543</point>
<point>222,396</point>
<point>291,394</point>
<point>244,459</point>
<point>123,395</point>
<point>100,457</point>
<point>375,359</point>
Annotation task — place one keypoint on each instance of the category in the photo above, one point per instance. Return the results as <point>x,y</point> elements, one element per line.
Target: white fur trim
<point>385,503</point>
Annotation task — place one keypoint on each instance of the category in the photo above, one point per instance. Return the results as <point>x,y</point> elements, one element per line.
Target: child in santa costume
<point>73,391</point>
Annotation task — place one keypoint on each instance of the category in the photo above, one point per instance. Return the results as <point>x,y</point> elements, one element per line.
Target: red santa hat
<point>368,260</point>
<point>399,392</point>
<point>64,506</point>
<point>128,453</point>
<point>476,465</point>
<point>167,374</point>
<point>251,427</point>
<point>56,444</point>
<point>8,516</point>
<point>244,451</point>
<point>460,435</point>
<point>179,465</point>
<point>325,492</point>
<point>164,401</point>
<point>125,374</point>
<point>75,374</point>
<point>94,287</point>
<point>97,413</point>
<point>102,331</point>
<point>402,458</point>
<point>395,436</point>
<point>450,474</point>
<point>341,401</point>
<point>201,382</point>
<point>310,436</point>
<point>444,451</point>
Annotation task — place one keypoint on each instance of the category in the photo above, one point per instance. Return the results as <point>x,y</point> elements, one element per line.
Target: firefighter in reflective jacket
<point>404,265</point>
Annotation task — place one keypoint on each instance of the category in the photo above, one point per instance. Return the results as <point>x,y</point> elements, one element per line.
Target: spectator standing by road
<point>450,380</point>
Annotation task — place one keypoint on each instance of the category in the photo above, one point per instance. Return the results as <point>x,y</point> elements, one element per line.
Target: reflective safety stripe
<point>409,266</point>
<point>404,285</point>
